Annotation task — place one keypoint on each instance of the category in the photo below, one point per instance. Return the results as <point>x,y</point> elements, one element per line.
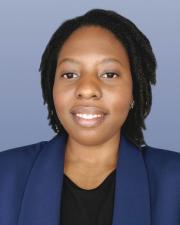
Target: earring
<point>57,128</point>
<point>132,104</point>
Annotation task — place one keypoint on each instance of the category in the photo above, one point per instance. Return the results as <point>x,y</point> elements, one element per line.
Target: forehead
<point>93,41</point>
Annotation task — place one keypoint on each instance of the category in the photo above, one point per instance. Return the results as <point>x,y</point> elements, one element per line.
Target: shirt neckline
<point>101,185</point>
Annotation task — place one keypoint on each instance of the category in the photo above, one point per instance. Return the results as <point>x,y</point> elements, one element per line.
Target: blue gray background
<point>25,28</point>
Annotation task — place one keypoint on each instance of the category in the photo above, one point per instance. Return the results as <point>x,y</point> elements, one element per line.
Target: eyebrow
<point>78,62</point>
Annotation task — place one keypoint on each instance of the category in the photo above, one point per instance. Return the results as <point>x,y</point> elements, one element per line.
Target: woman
<point>96,76</point>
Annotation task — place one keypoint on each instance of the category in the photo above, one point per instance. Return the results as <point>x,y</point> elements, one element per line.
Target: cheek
<point>59,99</point>
<point>120,104</point>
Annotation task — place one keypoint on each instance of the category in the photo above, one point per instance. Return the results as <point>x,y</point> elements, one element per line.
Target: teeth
<point>88,116</point>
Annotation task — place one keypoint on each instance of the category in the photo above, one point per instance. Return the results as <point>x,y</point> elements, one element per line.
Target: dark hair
<point>142,63</point>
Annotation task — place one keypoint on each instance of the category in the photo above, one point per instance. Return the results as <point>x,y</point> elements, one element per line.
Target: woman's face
<point>92,79</point>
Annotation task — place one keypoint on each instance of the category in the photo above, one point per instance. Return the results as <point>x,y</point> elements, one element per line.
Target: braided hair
<point>142,65</point>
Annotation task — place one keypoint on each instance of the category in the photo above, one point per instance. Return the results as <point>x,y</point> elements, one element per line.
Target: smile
<point>88,116</point>
<point>88,120</point>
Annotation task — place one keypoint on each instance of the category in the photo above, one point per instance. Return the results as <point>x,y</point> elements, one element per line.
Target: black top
<point>88,207</point>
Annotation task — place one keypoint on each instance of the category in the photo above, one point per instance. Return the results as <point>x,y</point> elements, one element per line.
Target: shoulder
<point>163,157</point>
<point>163,173</point>
<point>16,159</point>
<point>162,164</point>
<point>15,167</point>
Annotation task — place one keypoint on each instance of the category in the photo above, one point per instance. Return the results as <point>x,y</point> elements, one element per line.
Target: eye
<point>111,74</point>
<point>108,75</point>
<point>68,75</point>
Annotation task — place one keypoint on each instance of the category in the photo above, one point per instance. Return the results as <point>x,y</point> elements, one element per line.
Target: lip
<point>88,110</point>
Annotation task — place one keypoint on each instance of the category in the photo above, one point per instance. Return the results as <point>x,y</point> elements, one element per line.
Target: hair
<point>142,65</point>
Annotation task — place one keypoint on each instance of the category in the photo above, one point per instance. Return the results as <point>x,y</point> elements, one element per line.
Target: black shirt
<point>88,207</point>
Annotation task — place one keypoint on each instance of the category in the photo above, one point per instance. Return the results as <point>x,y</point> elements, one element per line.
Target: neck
<point>92,160</point>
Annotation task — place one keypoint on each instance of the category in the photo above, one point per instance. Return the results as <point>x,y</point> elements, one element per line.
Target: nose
<point>88,87</point>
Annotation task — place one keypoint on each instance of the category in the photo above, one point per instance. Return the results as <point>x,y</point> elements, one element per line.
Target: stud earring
<point>132,104</point>
<point>57,128</point>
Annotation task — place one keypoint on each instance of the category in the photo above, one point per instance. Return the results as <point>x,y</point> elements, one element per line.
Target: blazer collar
<point>42,196</point>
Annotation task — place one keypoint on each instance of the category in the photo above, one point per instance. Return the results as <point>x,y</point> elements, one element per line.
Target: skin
<point>91,153</point>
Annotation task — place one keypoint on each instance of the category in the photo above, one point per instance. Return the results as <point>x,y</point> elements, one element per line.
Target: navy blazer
<point>147,189</point>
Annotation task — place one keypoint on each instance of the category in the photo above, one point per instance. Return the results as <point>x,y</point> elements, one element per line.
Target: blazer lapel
<point>42,196</point>
<point>132,201</point>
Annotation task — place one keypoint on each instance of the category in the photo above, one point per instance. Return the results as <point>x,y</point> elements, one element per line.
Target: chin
<point>92,137</point>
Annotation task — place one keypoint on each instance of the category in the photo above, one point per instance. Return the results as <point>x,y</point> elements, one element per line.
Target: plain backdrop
<point>25,29</point>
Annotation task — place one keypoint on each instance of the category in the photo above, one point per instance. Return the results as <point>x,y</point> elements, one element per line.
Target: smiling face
<point>93,79</point>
